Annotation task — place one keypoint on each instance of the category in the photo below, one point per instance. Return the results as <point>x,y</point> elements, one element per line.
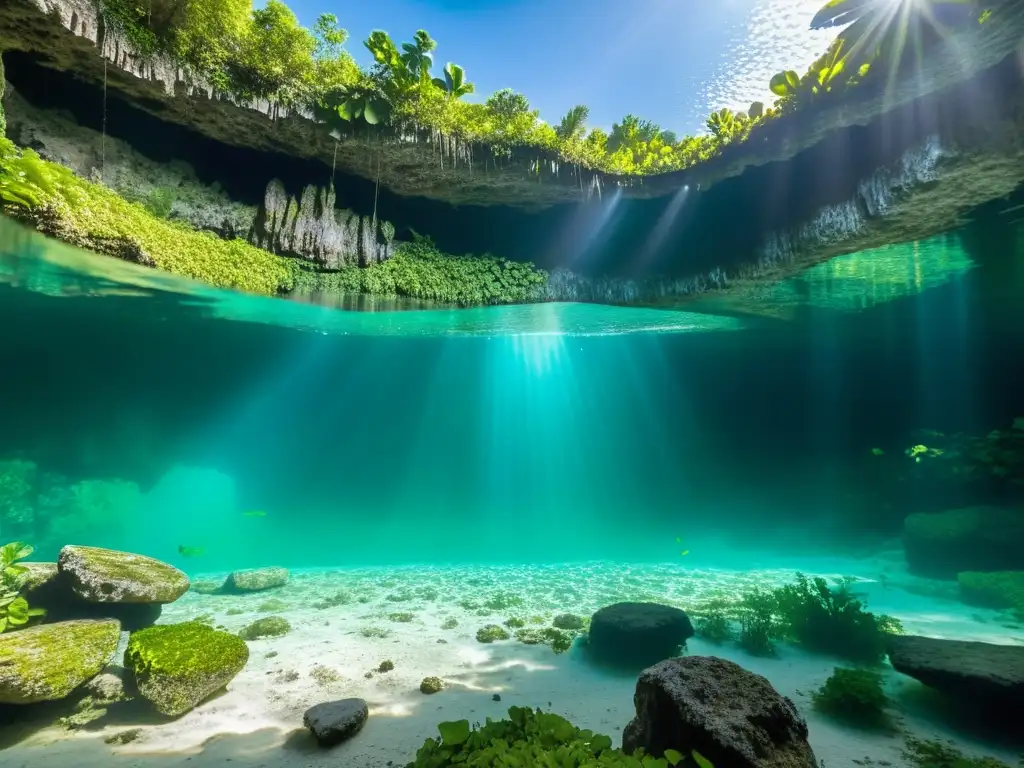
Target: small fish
<point>685,552</point>
<point>877,452</point>
<point>190,551</point>
<point>254,513</point>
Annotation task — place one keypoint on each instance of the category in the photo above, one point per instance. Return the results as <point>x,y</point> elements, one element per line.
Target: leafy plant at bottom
<point>14,610</point>
<point>935,754</point>
<point>530,738</point>
<point>758,624</point>
<point>832,620</point>
<point>855,696</point>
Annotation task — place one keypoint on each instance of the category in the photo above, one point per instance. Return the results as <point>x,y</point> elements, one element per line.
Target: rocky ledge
<point>68,35</point>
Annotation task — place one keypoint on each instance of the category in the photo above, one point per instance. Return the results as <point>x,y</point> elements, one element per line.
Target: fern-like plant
<point>14,609</point>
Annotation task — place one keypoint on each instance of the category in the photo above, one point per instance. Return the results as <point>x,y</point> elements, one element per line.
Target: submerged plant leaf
<point>454,733</point>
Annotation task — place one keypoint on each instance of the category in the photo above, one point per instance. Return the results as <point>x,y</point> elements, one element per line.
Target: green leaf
<point>756,110</point>
<point>792,79</point>
<point>17,612</point>
<point>345,110</point>
<point>701,761</point>
<point>779,86</point>
<point>3,624</point>
<point>673,757</point>
<point>454,733</point>
<point>370,112</point>
<point>439,83</point>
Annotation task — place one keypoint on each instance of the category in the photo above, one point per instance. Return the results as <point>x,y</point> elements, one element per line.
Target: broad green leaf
<point>345,110</point>
<point>673,757</point>
<point>756,110</point>
<point>792,79</point>
<point>3,624</point>
<point>701,761</point>
<point>778,85</point>
<point>370,114</point>
<point>454,733</point>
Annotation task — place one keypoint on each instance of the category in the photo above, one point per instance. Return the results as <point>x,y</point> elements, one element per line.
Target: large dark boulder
<point>943,544</point>
<point>981,674</point>
<point>636,635</point>
<point>336,721</point>
<point>730,716</point>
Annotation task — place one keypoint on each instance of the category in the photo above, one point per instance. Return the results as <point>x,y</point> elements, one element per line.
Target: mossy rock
<point>432,684</point>
<point>207,587</point>
<point>269,626</point>
<point>256,580</point>
<point>1002,589</point>
<point>109,576</point>
<point>48,662</point>
<point>491,633</point>
<point>177,666</point>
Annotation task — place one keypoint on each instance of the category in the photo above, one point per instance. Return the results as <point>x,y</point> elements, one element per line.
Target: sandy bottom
<point>258,720</point>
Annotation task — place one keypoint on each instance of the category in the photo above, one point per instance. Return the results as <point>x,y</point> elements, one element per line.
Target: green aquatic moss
<point>560,640</point>
<point>450,623</point>
<point>269,626</point>
<point>936,754</point>
<point>177,666</point>
<point>431,685</point>
<point>401,617</point>
<point>108,575</point>
<point>48,662</point>
<point>491,633</point>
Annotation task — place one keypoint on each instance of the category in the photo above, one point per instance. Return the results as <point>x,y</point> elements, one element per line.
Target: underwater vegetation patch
<point>269,626</point>
<point>530,737</point>
<point>855,696</point>
<point>936,754</point>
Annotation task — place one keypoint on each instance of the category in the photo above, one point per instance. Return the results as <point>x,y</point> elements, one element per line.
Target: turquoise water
<point>414,468</point>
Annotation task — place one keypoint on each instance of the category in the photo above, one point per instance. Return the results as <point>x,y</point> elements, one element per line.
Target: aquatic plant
<point>569,621</point>
<point>431,685</point>
<point>530,738</point>
<point>378,633</point>
<point>272,605</point>
<point>923,753</point>
<point>340,597</point>
<point>15,611</point>
<point>269,626</point>
<point>759,623</point>
<point>491,633</point>
<point>402,617</point>
<point>502,601</point>
<point>999,590</point>
<point>855,696</point>
<point>324,676</point>
<point>832,620</point>
<point>450,623</point>
<point>386,666</point>
<point>714,619</point>
<point>514,622</point>
<point>560,640</point>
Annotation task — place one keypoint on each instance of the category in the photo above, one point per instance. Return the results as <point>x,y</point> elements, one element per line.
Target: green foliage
<point>713,620</point>
<point>935,754</point>
<point>530,738</point>
<point>14,610</point>
<point>419,270</point>
<point>832,620</point>
<point>855,696</point>
<point>454,83</point>
<point>491,633</point>
<point>159,202</point>
<point>87,214</point>
<point>759,622</point>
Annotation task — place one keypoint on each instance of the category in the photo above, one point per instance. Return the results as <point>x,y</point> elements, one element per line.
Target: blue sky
<point>670,61</point>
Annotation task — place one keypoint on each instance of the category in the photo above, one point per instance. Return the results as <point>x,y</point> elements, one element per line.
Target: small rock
<point>496,697</point>
<point>269,626</point>
<point>333,722</point>
<point>256,580</point>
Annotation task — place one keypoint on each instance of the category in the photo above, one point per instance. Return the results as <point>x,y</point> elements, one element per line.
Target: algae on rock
<point>109,576</point>
<point>48,662</point>
<point>177,666</point>
<point>256,580</point>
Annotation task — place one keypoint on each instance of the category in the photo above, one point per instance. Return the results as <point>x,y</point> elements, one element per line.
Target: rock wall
<point>309,227</point>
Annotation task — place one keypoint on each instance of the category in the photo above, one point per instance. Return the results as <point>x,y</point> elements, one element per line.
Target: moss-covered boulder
<point>983,539</point>
<point>48,662</point>
<point>177,666</point>
<point>1002,589</point>
<point>256,580</point>
<point>109,576</point>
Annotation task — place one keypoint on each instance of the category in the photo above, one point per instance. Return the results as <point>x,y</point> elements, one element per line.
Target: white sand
<point>258,721</point>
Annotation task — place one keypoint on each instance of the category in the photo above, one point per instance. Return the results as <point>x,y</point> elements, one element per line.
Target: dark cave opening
<point>723,226</point>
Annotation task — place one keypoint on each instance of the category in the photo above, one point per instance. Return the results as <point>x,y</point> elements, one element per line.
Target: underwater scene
<point>247,525</point>
<point>361,410</point>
